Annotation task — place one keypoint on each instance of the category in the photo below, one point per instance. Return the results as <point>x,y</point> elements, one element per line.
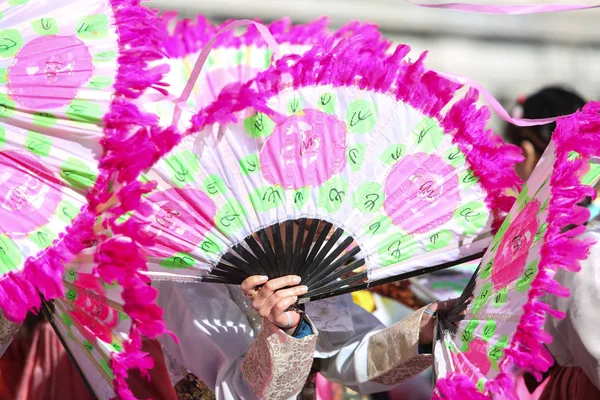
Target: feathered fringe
<point>132,142</point>
<point>43,273</point>
<point>561,249</point>
<point>344,62</point>
<point>186,36</point>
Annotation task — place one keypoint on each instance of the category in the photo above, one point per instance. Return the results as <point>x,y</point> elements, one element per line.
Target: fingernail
<point>295,298</point>
<point>296,279</point>
<point>264,278</point>
<point>303,289</point>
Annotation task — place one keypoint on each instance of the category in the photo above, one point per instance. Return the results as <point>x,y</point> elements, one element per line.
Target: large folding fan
<point>502,333</point>
<point>70,73</point>
<point>333,142</point>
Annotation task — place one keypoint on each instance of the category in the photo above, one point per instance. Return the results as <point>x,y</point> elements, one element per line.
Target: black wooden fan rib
<point>278,249</point>
<point>289,247</point>
<point>298,245</point>
<point>328,265</point>
<point>268,250</point>
<point>260,255</point>
<point>316,248</point>
<point>343,287</point>
<point>322,253</point>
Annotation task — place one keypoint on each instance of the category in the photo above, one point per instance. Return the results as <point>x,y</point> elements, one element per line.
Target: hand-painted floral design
<point>49,71</point>
<point>477,355</point>
<point>94,316</point>
<point>180,221</point>
<point>29,193</point>
<point>306,149</point>
<point>414,188</point>
<point>513,250</point>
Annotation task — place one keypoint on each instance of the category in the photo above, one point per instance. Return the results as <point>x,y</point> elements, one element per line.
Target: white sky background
<point>509,55</point>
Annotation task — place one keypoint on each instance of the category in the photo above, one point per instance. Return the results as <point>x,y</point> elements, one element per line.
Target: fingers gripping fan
<point>337,162</point>
<point>502,334</point>
<point>58,80</point>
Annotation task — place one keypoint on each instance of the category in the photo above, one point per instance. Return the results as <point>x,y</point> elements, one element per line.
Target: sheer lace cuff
<point>393,353</point>
<point>277,365</point>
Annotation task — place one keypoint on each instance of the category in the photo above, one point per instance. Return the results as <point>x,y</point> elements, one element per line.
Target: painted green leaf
<point>3,75</point>
<point>38,144</point>
<point>43,237</point>
<point>231,217</point>
<point>497,352</point>
<point>77,174</point>
<point>259,125</point>
<point>482,297</point>
<point>214,185</point>
<point>178,261</point>
<point>301,197</point>
<point>93,27</point>
<point>327,102</point>
<point>17,2</point>
<point>45,26</point>
<point>44,119</point>
<point>267,198</point>
<point>488,329</point>
<point>486,271</point>
<point>378,225</point>
<point>397,248</point>
<point>67,211</point>
<point>393,153</point>
<point>524,283</point>
<point>467,179</point>
<point>11,42</point>
<point>10,255</point>
<point>455,157</point>
<point>101,82</point>
<point>104,56</point>
<point>333,193</point>
<point>294,105</point>
<point>356,156</point>
<point>71,295</point>
<point>210,245</point>
<point>7,106</point>
<point>361,116</point>
<point>250,164</point>
<point>501,297</point>
<point>428,135</point>
<point>468,334</point>
<point>472,217</point>
<point>368,197</point>
<point>70,275</point>
<point>84,111</point>
<point>439,240</point>
<point>183,166</point>
<point>2,137</point>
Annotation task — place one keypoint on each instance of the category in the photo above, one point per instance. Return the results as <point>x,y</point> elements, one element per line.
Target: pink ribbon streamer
<point>495,104</point>
<point>506,9</point>
<point>473,8</point>
<point>203,56</point>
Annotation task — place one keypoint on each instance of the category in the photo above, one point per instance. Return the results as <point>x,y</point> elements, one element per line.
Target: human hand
<point>428,320</point>
<point>272,298</point>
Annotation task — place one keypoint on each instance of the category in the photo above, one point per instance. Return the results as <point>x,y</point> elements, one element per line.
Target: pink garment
<point>324,388</point>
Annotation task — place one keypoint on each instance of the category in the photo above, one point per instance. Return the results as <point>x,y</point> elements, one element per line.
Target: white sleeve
<point>217,344</point>
<point>373,358</point>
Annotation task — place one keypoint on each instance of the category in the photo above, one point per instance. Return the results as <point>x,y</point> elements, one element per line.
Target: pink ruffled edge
<point>43,273</point>
<point>527,351</point>
<point>186,36</point>
<point>132,142</point>
<point>340,62</point>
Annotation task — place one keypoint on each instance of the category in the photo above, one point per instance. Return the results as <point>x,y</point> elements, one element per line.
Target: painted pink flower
<point>214,80</point>
<point>49,70</point>
<point>477,355</point>
<point>91,310</point>
<point>29,193</point>
<point>181,219</point>
<point>513,250</point>
<point>421,193</point>
<point>305,150</point>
